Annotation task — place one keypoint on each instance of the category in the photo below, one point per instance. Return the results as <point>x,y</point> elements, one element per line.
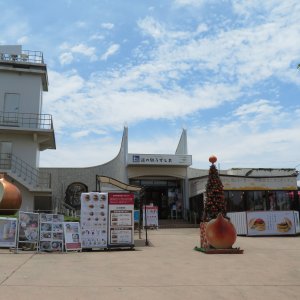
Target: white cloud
<point>107,26</point>
<point>66,58</point>
<point>68,55</point>
<point>23,40</point>
<point>195,3</point>
<point>110,51</point>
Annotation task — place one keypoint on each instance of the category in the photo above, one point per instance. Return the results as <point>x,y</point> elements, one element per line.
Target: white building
<point>168,178</point>
<point>24,130</point>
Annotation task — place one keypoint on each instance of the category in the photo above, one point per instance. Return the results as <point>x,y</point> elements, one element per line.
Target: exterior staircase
<point>25,174</point>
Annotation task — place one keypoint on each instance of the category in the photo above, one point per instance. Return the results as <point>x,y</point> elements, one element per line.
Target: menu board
<point>152,216</point>
<point>8,232</point>
<point>93,220</point>
<point>271,223</point>
<point>72,236</point>
<point>51,232</point>
<point>121,219</point>
<point>28,227</point>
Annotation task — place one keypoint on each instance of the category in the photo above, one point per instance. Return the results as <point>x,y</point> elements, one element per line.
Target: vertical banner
<point>152,216</point>
<point>72,236</point>
<point>8,232</point>
<point>28,229</point>
<point>51,232</point>
<point>121,220</point>
<point>93,220</point>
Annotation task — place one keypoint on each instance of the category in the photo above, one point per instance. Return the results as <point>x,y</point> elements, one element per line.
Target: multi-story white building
<point>24,130</point>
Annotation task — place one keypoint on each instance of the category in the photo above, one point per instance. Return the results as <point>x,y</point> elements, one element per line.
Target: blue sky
<point>224,70</point>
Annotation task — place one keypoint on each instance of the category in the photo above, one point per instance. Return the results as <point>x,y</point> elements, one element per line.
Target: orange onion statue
<point>220,233</point>
<point>10,198</point>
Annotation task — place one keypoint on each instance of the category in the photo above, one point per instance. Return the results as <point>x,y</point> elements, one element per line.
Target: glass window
<point>283,200</point>
<point>256,200</point>
<point>235,201</point>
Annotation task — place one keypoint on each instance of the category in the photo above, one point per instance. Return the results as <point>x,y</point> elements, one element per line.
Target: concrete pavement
<point>169,269</point>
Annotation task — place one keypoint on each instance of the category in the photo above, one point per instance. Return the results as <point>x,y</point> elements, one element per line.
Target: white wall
<point>29,87</point>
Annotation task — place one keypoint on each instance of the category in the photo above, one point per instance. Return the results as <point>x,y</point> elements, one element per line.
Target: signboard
<point>51,232</point>
<point>28,227</point>
<point>93,220</point>
<point>271,223</point>
<point>121,219</point>
<point>8,232</point>
<point>159,159</point>
<point>152,216</point>
<point>72,236</point>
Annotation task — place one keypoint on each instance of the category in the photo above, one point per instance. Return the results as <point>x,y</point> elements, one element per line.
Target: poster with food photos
<point>72,236</point>
<point>121,219</point>
<point>51,232</point>
<point>93,220</point>
<point>8,232</point>
<point>28,229</point>
<point>271,223</point>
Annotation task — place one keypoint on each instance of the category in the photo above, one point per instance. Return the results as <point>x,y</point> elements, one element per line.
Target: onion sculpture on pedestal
<point>220,233</point>
<point>10,198</point>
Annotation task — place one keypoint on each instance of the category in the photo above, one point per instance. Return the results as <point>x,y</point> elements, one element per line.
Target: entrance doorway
<point>165,194</point>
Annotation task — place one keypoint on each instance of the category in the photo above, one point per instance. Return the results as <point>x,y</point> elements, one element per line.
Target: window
<point>235,201</point>
<point>5,155</point>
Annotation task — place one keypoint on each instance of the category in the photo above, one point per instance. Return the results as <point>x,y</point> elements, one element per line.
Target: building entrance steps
<point>175,223</point>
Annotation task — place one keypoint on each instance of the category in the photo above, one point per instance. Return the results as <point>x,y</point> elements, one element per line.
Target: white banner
<point>93,220</point>
<point>8,232</point>
<point>271,223</point>
<point>152,216</point>
<point>72,236</point>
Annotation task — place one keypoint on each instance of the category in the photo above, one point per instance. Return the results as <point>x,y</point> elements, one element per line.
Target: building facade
<point>169,181</point>
<point>24,130</point>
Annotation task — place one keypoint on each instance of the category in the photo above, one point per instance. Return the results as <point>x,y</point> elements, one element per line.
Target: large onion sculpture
<point>10,198</point>
<point>220,233</point>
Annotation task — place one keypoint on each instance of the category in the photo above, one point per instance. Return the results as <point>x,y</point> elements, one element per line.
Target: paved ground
<point>169,269</point>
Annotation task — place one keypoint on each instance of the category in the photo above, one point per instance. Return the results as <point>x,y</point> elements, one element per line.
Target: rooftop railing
<point>27,56</point>
<point>26,120</point>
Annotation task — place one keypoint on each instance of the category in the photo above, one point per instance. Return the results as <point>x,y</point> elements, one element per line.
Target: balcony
<point>26,120</point>
<point>27,56</point>
<point>41,125</point>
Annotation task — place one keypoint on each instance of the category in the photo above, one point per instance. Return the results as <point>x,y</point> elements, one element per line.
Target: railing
<point>26,120</point>
<point>27,56</point>
<point>25,171</point>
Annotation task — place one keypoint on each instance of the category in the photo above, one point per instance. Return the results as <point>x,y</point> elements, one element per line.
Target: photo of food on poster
<point>72,236</point>
<point>8,230</point>
<point>121,219</point>
<point>28,227</point>
<point>270,223</point>
<point>51,232</point>
<point>93,220</point>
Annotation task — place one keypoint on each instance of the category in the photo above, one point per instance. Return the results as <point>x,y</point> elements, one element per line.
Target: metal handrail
<point>27,56</point>
<point>22,169</point>
<point>26,120</point>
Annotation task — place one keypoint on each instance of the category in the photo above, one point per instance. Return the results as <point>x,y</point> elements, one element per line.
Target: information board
<point>51,232</point>
<point>72,236</point>
<point>8,232</point>
<point>121,219</point>
<point>28,229</point>
<point>93,220</point>
<point>152,216</point>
